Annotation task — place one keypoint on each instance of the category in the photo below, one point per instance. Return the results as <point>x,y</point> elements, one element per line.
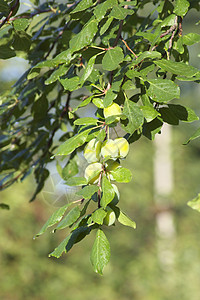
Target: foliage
<point>99,54</point>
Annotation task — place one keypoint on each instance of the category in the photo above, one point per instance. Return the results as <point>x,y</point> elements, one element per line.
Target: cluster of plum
<point>103,157</point>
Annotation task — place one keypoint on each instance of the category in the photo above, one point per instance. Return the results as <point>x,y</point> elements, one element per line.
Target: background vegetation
<point>135,270</point>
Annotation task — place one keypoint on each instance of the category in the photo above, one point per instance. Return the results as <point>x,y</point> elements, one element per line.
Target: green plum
<point>109,149</point>
<point>92,151</point>
<point>112,110</point>
<point>110,218</point>
<point>92,172</point>
<point>123,147</point>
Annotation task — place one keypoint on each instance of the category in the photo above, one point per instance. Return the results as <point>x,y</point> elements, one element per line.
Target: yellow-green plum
<point>92,151</point>
<point>109,149</point>
<point>111,165</point>
<point>110,218</point>
<point>123,147</point>
<point>112,110</point>
<point>92,172</point>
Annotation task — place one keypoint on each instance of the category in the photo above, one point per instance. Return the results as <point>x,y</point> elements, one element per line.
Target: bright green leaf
<point>69,219</point>
<point>121,174</point>
<point>86,121</point>
<point>88,191</point>
<point>162,90</point>
<point>195,203</point>
<point>134,115</point>
<point>191,38</point>
<point>108,192</point>
<point>76,181</point>
<point>194,136</point>
<point>181,7</point>
<point>178,68</point>
<point>100,254</point>
<point>21,24</point>
<point>125,220</point>
<point>98,216</point>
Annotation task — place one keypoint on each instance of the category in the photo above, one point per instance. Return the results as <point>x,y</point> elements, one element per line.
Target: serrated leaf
<point>120,13</point>
<point>98,216</point>
<point>178,68</point>
<point>195,203</point>
<point>86,121</point>
<point>21,24</point>
<point>70,170</point>
<point>108,192</point>
<point>55,218</point>
<point>72,143</point>
<point>70,84</point>
<point>112,59</point>
<point>183,113</point>
<point>76,181</point>
<point>162,90</point>
<point>100,254</point>
<point>125,220</point>
<point>88,191</point>
<point>82,5</point>
<point>149,113</point>
<point>69,219</point>
<point>134,115</point>
<point>181,7</point>
<point>61,248</point>
<point>88,69</point>
<point>194,136</point>
<point>191,38</point>
<point>84,37</point>
<point>121,174</point>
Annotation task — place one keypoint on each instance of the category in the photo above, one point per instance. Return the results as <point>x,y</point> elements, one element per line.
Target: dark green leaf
<point>108,192</point>
<point>149,112</point>
<point>61,248</point>
<point>72,143</point>
<point>88,70</point>
<point>178,68</point>
<point>112,58</point>
<point>21,24</point>
<point>69,219</point>
<point>120,13</point>
<point>4,206</point>
<point>6,52</point>
<point>100,254</point>
<point>134,115</point>
<point>162,90</point>
<point>183,113</point>
<point>55,218</point>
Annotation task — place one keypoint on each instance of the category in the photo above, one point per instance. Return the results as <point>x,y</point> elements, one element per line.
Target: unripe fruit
<point>112,110</point>
<point>110,218</point>
<point>111,165</point>
<point>92,172</point>
<point>109,149</point>
<point>92,151</point>
<point>123,147</point>
<point>117,195</point>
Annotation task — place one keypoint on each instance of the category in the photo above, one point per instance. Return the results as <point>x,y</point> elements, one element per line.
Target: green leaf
<point>76,181</point>
<point>162,90</point>
<point>21,24</point>
<point>100,254</point>
<point>88,191</point>
<point>88,69</point>
<point>178,68</point>
<point>149,113</point>
<point>72,143</point>
<point>62,70</point>
<point>195,203</point>
<point>194,136</point>
<point>191,38</point>
<point>70,170</point>
<point>84,37</point>
<point>147,54</point>
<point>101,9</point>
<point>82,5</point>
<point>121,174</point>
<point>86,121</point>
<point>109,97</point>
<point>69,219</point>
<point>134,115</point>
<point>4,206</point>
<point>61,248</point>
<point>112,59</point>
<point>125,220</point>
<point>183,113</point>
<point>83,103</point>
<point>98,216</point>
<point>128,85</point>
<point>120,13</point>
<point>55,218</point>
<point>105,27</point>
<point>6,52</point>
<point>108,192</point>
<point>181,7</point>
<point>70,84</point>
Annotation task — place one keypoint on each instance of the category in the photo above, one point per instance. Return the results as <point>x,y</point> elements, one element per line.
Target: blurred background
<point>160,260</point>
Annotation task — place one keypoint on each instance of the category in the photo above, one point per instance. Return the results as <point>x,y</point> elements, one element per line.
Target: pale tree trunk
<point>163,185</point>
